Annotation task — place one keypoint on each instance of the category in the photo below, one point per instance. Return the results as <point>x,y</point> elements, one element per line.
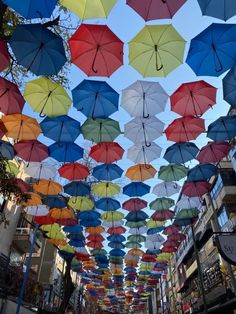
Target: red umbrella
<point>213,152</point>
<point>22,185</point>
<point>95,237</point>
<point>172,229</point>
<point>185,129</point>
<point>116,230</point>
<point>156,9</point>
<point>177,236</point>
<point>171,243</point>
<point>44,220</point>
<point>11,100</point>
<point>67,221</point>
<point>196,188</point>
<point>169,249</point>
<point>134,204</point>
<point>148,258</point>
<point>4,56</point>
<point>95,244</point>
<point>96,50</point>
<point>31,150</point>
<point>107,152</point>
<point>82,257</point>
<point>74,171</point>
<point>193,99</point>
<point>163,215</point>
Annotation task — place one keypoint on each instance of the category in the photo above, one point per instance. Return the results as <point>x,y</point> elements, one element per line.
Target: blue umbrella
<point>76,236</point>
<point>202,172</point>
<point>229,87</point>
<point>73,229</point>
<point>61,129</point>
<point>95,99</point>
<point>76,243</point>
<point>155,230</point>
<point>31,9</point>
<point>54,201</point>
<point>136,189</point>
<point>117,252</point>
<point>221,9</point>
<point>116,238</point>
<point>107,204</point>
<point>6,150</point>
<point>181,152</point>
<point>89,215</point>
<point>65,151</point>
<point>77,188</point>
<point>90,223</point>
<point>107,172</point>
<point>222,129</point>
<point>38,49</point>
<point>136,216</point>
<point>213,51</point>
<point>116,245</point>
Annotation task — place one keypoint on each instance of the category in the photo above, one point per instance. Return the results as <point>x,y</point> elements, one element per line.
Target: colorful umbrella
<point>134,204</point>
<point>39,210</point>
<point>187,214</point>
<point>22,185</point>
<point>4,56</point>
<point>106,152</point>
<point>136,216</point>
<point>94,230</point>
<point>6,150</point>
<point>143,153</point>
<point>202,172</point>
<point>222,129</point>
<point>213,152</point>
<point>107,172</point>
<point>221,9</point>
<point>77,188</point>
<point>229,85</point>
<point>65,151</point>
<point>44,220</point>
<point>111,216</point>
<point>43,52</point>
<point>171,230</point>
<point>12,167</point>
<point>73,171</point>
<point>40,170</point>
<point>116,230</point>
<point>61,213</point>
<point>162,203</point>
<point>105,189</point>
<point>185,129</point>
<point>163,215</point>
<point>31,150</point>
<point>47,187</point>
<point>107,204</point>
<point>33,200</point>
<point>156,9</point>
<point>156,50</point>
<point>172,172</point>
<point>96,56</point>
<point>181,152</point>
<point>154,224</point>
<point>135,231</point>
<point>53,201</point>
<point>11,100</point>
<point>165,189</point>
<point>81,203</point>
<point>193,99</point>
<point>177,237</point>
<point>100,130</point>
<point>136,189</point>
<point>196,188</point>
<point>141,172</point>
<point>188,202</point>
<point>212,52</point>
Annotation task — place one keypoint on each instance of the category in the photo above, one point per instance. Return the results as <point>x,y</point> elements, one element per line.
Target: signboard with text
<point>226,245</point>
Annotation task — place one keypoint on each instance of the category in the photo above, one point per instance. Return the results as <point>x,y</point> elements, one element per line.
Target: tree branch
<point>54,22</point>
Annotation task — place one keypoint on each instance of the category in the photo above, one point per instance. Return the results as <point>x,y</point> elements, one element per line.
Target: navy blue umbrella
<point>136,216</point>
<point>55,202</point>
<point>213,51</point>
<point>116,245</point>
<point>155,230</point>
<point>76,236</point>
<point>116,238</point>
<point>73,229</point>
<point>229,87</point>
<point>65,151</point>
<point>202,172</point>
<point>38,49</point>
<point>90,223</point>
<point>6,150</point>
<point>95,99</point>
<point>107,172</point>
<point>89,215</point>
<point>77,188</point>
<point>76,243</point>
<point>117,252</point>
<point>136,189</point>
<point>222,129</point>
<point>61,129</point>
<point>181,152</point>
<point>221,9</point>
<point>107,204</point>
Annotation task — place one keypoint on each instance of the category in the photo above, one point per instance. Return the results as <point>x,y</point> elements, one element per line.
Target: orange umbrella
<point>21,127</point>
<point>61,213</point>
<point>33,200</point>
<point>136,252</point>
<point>141,172</point>
<point>47,187</point>
<point>57,241</point>
<point>94,230</point>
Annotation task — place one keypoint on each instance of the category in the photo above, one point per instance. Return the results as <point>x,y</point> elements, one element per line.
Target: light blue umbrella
<point>107,172</point>
<point>229,87</point>
<point>221,9</point>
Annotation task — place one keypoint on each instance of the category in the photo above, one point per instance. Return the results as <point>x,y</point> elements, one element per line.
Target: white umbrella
<point>40,170</point>
<point>143,131</point>
<point>166,189</point>
<point>142,154</point>
<point>110,224</point>
<point>152,245</point>
<point>188,202</point>
<point>141,230</point>
<point>40,210</point>
<point>155,238</point>
<point>144,99</point>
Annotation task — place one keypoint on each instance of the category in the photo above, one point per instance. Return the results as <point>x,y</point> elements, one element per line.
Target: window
<point>223,217</point>
<point>217,188</point>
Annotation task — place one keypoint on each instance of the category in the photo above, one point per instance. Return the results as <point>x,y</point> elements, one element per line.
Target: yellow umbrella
<point>34,199</point>
<point>141,172</point>
<point>81,203</point>
<point>53,231</point>
<point>47,97</point>
<point>12,167</point>
<point>67,248</point>
<point>112,216</point>
<point>89,9</point>
<point>47,187</point>
<point>154,224</point>
<point>105,189</point>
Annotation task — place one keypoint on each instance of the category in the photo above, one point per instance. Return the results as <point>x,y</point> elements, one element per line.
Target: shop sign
<point>226,244</point>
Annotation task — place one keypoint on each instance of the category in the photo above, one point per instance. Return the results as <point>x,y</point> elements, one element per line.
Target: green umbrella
<point>133,245</point>
<point>135,224</point>
<point>187,213</point>
<point>12,167</point>
<point>172,172</point>
<point>99,252</point>
<point>154,224</point>
<point>162,203</point>
<point>100,130</point>
<point>136,238</point>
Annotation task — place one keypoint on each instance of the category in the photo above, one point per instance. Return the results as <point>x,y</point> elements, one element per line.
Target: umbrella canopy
<point>33,200</point>
<point>136,216</point>
<point>53,201</point>
<point>81,203</point>
<point>73,171</point>
<point>141,172</point>
<point>95,99</point>
<point>107,172</point>
<point>144,154</point>
<point>61,213</point>
<point>162,203</point>
<point>39,210</point>
<point>116,230</point>
<point>6,150</point>
<point>107,204</point>
<point>156,50</point>
<point>193,99</point>
<point>111,216</point>
<point>4,56</point>
<point>152,245</point>
<point>221,9</point>
<point>98,55</point>
<point>134,204</point>
<point>31,150</point>
<point>188,202</point>
<point>21,127</point>
<point>144,99</point>
<point>229,85</point>
<point>65,151</point>
<point>135,231</point>
<point>106,152</point>
<point>212,52</point>
<point>44,220</point>
<point>181,152</point>
<point>202,172</point>
<point>172,172</point>
<point>11,100</point>
<point>166,189</point>
<point>47,187</point>
<point>154,224</point>
<point>143,130</point>
<point>196,188</point>
<point>94,230</point>
<point>187,214</point>
<point>100,130</point>
<point>30,9</point>
<point>105,189</point>
<point>156,9</point>
<point>185,129</point>
<point>136,189</point>
<point>22,185</point>
<point>77,188</point>
<point>163,215</point>
<point>40,170</point>
<point>222,129</point>
<point>171,230</point>
<point>43,52</point>
<point>89,9</point>
<point>213,152</point>
<point>177,237</point>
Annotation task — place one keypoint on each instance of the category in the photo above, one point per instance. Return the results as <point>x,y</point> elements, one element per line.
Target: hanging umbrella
<point>106,152</point>
<point>89,215</point>
<point>116,245</point>
<point>135,224</point>
<point>136,216</point>
<point>136,231</point>
<point>31,150</point>
<point>81,203</point>
<point>222,129</point>
<point>77,188</point>
<point>143,130</point>
<point>196,188</point>
<point>73,171</point>
<point>107,172</point>
<point>116,238</point>
<point>188,202</point>
<point>144,99</point>
<point>111,216</point>
<point>105,189</point>
<point>40,170</point>
<point>90,223</point>
<point>22,185</point>
<point>172,172</point>
<point>202,172</point>
<point>154,224</point>
<point>166,189</point>
<point>193,99</point>
<point>95,99</point>
<point>156,50</point>
<point>144,154</point>
<point>89,9</point>
<point>213,152</point>
<point>171,230</point>
<point>163,215</point>
<point>21,127</point>
<point>4,56</point>
<point>47,187</point>
<point>133,245</point>
<point>154,230</point>
<point>221,9</point>
<point>6,150</point>
<point>229,84</point>
<point>100,130</point>
<point>33,199</point>
<point>65,151</point>
<point>43,52</point>
<point>136,189</point>
<point>177,237</point>
<point>107,204</point>
<point>116,230</point>
<point>39,210</point>
<point>61,213</point>
<point>184,129</point>
<point>113,224</point>
<point>162,203</point>
<point>73,229</point>
<point>169,249</point>
<point>30,9</point>
<point>152,245</point>
<point>96,56</point>
<point>44,220</point>
<point>187,214</point>
<point>141,172</point>
<point>11,100</point>
<point>53,201</point>
<point>95,237</point>
<point>212,52</point>
<point>180,153</point>
<point>134,204</point>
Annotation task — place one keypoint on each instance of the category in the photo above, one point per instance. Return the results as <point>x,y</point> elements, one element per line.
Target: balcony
<point>22,240</point>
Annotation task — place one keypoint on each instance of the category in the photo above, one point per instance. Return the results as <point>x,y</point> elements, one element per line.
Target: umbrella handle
<point>156,54</point>
<point>94,59</point>
<point>164,1</point>
<point>217,59</point>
